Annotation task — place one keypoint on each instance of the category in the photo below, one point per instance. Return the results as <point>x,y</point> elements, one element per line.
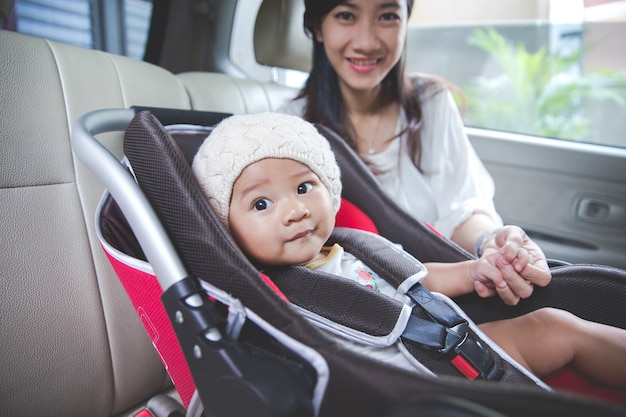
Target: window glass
<point>66,21</point>
<point>137,14</point>
<point>83,23</point>
<point>546,68</point>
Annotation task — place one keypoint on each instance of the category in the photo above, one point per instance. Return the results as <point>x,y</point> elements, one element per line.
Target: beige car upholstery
<point>279,38</point>
<point>71,343</point>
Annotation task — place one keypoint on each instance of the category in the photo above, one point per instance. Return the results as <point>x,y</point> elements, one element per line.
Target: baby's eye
<point>262,204</point>
<point>305,187</point>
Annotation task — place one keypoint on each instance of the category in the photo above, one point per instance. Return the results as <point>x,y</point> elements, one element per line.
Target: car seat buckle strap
<point>465,367</point>
<point>473,357</point>
<point>427,334</point>
<point>442,342</point>
<point>437,309</point>
<point>468,356</point>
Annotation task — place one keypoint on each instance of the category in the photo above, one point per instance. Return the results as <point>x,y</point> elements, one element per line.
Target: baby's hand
<point>513,255</point>
<point>531,265</point>
<point>497,272</point>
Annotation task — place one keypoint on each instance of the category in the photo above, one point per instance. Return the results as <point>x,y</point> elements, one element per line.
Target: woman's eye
<point>389,16</point>
<point>262,204</point>
<point>344,16</point>
<point>305,187</point>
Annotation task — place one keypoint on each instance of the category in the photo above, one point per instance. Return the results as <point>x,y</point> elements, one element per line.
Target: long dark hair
<point>325,104</point>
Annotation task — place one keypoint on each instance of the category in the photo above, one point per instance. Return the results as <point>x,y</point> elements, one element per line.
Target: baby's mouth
<point>302,234</point>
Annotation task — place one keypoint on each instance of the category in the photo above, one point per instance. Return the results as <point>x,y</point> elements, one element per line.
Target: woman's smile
<point>363,65</point>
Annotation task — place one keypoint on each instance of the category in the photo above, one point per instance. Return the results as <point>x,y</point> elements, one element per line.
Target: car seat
<point>249,337</point>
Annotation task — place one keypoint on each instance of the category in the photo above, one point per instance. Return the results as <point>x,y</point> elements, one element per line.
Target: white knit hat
<point>241,140</point>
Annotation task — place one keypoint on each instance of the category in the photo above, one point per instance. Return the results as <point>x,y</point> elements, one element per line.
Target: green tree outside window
<point>537,93</point>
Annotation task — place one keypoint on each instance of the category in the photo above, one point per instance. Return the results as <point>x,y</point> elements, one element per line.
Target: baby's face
<point>280,212</point>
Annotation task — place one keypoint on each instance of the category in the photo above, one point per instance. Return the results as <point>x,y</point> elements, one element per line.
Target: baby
<point>273,181</point>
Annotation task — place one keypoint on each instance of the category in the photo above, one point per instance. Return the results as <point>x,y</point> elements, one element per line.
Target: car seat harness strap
<point>447,334</point>
<point>434,325</point>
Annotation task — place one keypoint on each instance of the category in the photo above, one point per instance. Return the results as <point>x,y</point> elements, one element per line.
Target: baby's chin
<point>291,260</point>
<point>304,259</point>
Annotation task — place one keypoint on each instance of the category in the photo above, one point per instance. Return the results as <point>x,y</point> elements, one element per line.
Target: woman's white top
<point>454,183</point>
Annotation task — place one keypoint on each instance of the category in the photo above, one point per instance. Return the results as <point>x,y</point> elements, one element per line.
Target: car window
<point>551,69</point>
<point>120,26</point>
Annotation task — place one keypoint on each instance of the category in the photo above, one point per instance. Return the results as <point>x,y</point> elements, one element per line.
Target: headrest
<point>279,38</point>
<point>6,6</point>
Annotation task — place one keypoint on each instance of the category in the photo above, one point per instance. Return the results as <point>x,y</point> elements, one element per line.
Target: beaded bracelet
<point>480,242</point>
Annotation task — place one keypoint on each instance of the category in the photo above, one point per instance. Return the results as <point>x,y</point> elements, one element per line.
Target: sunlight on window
<point>549,74</point>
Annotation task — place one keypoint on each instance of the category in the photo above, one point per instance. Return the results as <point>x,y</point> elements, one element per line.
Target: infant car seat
<point>244,349</point>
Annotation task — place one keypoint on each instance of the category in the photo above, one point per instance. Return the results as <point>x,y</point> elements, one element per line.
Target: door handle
<point>600,210</point>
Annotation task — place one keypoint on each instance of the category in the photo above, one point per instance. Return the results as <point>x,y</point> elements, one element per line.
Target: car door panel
<point>570,197</point>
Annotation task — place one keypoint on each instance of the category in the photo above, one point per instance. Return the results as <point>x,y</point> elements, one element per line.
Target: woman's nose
<point>366,37</point>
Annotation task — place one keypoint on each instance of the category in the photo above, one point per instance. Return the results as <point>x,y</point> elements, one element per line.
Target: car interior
<point>71,342</point>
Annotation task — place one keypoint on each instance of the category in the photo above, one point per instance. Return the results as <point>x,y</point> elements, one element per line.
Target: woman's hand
<point>522,264</point>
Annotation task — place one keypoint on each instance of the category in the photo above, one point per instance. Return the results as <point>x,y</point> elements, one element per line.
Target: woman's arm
<point>468,232</point>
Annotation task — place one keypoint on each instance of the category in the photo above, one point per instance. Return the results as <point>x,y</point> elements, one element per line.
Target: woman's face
<point>363,40</point>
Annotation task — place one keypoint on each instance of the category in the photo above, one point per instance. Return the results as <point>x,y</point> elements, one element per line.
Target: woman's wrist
<point>479,245</point>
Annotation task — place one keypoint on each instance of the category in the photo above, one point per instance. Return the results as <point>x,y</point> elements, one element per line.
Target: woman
<point>407,129</point>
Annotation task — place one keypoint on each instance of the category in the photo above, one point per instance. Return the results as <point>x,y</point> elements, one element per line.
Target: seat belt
<point>446,333</point>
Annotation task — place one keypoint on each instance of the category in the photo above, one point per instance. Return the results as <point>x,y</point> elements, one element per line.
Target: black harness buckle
<point>447,334</point>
